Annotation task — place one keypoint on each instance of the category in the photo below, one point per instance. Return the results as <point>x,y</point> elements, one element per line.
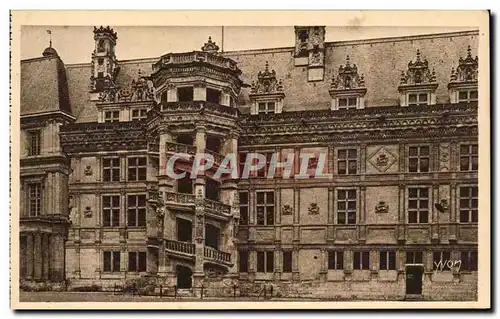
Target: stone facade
<point>402,157</point>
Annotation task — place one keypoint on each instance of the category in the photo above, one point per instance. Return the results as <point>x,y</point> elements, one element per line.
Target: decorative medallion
<point>286,210</point>
<point>382,159</point>
<point>313,209</point>
<point>381,207</point>
<point>88,171</point>
<point>88,212</point>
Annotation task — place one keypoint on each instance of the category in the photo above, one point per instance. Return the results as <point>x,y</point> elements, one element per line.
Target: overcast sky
<point>75,43</point>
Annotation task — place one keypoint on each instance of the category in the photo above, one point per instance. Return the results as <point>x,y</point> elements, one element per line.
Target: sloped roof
<point>44,87</point>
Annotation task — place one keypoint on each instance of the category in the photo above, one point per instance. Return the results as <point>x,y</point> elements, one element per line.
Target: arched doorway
<point>184,277</point>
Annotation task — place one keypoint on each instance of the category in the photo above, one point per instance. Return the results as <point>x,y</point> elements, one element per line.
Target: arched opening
<point>184,277</point>
<point>212,234</point>
<point>212,189</point>
<point>185,185</point>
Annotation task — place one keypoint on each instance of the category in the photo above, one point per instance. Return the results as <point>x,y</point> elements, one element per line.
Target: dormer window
<point>267,107</point>
<point>348,88</point>
<point>139,114</point>
<point>185,94</point>
<point>267,93</point>
<point>463,81</point>
<point>418,84</point>
<point>111,116</point>
<point>418,99</point>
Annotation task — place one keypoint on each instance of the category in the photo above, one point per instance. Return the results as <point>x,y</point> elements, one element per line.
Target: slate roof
<point>380,60</point>
<point>44,86</point>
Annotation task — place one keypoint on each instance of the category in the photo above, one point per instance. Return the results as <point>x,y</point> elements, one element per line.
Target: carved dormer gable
<point>418,83</point>
<point>140,89</point>
<point>347,88</point>
<point>267,90</point>
<point>464,80</point>
<point>210,46</point>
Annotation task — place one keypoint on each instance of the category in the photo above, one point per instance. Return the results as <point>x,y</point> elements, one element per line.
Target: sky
<point>75,43</point>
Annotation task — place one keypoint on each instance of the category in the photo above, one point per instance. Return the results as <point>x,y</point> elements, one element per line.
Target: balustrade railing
<point>217,207</point>
<point>217,255</point>
<point>181,148</point>
<point>179,246</point>
<point>179,198</point>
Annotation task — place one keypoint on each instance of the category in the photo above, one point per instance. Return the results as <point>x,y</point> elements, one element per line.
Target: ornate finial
<point>348,77</point>
<point>347,61</point>
<point>210,46</point>
<point>267,82</point>
<point>267,67</point>
<point>469,55</point>
<point>418,55</point>
<point>467,69</point>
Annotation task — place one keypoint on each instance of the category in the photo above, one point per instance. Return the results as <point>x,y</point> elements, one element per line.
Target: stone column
<point>29,255</point>
<point>37,274</point>
<point>46,256</point>
<point>295,264</point>
<point>199,188</point>
<point>199,92</point>
<point>165,183</point>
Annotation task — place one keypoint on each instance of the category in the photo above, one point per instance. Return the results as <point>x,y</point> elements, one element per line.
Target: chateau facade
<point>396,118</point>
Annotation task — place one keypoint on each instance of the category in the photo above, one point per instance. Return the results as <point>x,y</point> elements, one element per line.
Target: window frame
<point>418,210</point>
<point>386,256</point>
<point>114,116</point>
<point>287,254</point>
<point>265,262</point>
<point>137,167</point>
<point>142,114</point>
<point>267,109</point>
<point>469,256</point>
<point>470,156</point>
<point>240,263</point>
<point>471,210</point>
<point>244,221</point>
<point>360,254</point>
<point>418,95</point>
<point>468,92</point>
<point>335,260</point>
<point>346,211</point>
<point>348,106</point>
<point>137,210</point>
<point>112,210</point>
<point>265,205</point>
<point>112,265</point>
<point>414,259</point>
<point>137,265</point>
<point>36,200</point>
<point>441,254</point>
<point>419,158</point>
<point>37,136</point>
<point>113,175</point>
<point>347,161</point>
<point>179,90</point>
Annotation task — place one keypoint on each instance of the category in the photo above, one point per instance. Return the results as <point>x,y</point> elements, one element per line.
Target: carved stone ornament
<point>381,207</point>
<point>348,78</point>
<point>467,70</point>
<point>442,206</point>
<point>266,82</point>
<point>286,210</point>
<point>88,171</point>
<point>313,209</point>
<point>87,213</point>
<point>140,89</point>
<point>210,46</point>
<point>382,159</point>
<point>199,225</point>
<point>418,72</point>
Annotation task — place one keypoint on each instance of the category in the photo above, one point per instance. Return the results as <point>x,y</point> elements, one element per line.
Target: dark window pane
<point>383,260</point>
<point>366,260</point>
<point>342,154</point>
<point>269,261</point>
<point>341,218</point>
<point>342,167</point>
<point>413,151</point>
<point>132,261</point>
<point>260,198</point>
<point>357,260</point>
<point>340,260</point>
<point>260,261</point>
<point>351,218</point>
<point>287,261</point>
<point>412,217</point>
<point>243,198</point>
<point>424,217</point>
<point>412,192</point>
<point>392,260</point>
<point>341,194</point>
<point>418,257</point>
<point>243,262</point>
<point>116,261</point>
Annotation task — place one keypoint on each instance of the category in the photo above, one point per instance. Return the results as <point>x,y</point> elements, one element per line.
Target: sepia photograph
<point>323,160</point>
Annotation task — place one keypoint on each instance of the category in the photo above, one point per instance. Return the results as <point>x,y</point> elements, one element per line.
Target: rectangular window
<point>111,211</point>
<point>418,159</point>
<point>213,95</point>
<point>468,157</point>
<point>468,204</point>
<point>137,261</point>
<point>111,116</point>
<point>287,261</point>
<point>346,206</point>
<point>267,108</point>
<point>361,260</point>
<point>347,162</point>
<point>418,205</point>
<point>111,169</point>
<point>265,208</point>
<point>335,260</point>
<point>111,261</point>
<point>35,199</point>
<point>387,260</point>
<point>469,260</point>
<point>243,208</point>
<point>417,99</point>
<point>467,96</point>
<point>185,94</point>
<point>414,257</point>
<point>440,258</point>
<point>136,210</point>
<point>265,261</point>
<point>137,168</point>
<point>139,114</point>
<point>243,261</point>
<point>345,103</point>
<point>34,138</point>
